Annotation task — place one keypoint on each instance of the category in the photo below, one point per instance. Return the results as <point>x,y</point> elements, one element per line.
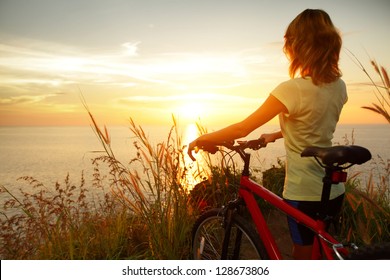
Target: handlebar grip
<point>208,147</point>
<point>256,144</point>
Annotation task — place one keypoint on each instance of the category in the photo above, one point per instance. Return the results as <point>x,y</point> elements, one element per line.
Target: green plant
<point>273,178</point>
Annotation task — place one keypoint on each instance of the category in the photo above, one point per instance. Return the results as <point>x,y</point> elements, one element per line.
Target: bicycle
<point>224,233</point>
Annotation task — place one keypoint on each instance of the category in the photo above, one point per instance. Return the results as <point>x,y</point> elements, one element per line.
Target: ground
<point>277,222</point>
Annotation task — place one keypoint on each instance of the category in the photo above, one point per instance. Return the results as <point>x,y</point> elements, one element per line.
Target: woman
<point>309,107</point>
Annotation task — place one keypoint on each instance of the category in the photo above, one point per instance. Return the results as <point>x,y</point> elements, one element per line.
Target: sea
<point>50,154</point>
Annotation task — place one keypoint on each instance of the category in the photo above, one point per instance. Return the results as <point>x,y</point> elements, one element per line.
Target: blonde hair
<point>313,44</point>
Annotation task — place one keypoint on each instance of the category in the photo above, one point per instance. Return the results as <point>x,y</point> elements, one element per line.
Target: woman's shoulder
<point>340,82</point>
<point>291,83</point>
<point>307,81</point>
<point>296,81</point>
<point>300,83</point>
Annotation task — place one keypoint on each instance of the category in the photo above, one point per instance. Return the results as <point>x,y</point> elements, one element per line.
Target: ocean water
<point>50,153</point>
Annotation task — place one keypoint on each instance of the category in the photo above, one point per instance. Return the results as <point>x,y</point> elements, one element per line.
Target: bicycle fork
<point>227,224</point>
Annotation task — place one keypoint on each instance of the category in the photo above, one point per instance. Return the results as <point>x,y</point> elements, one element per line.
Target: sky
<point>213,61</point>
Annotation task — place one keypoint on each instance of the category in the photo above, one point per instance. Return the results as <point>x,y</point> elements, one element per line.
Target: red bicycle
<point>228,233</point>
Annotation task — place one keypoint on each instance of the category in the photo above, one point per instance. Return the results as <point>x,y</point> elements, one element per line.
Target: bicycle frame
<point>332,159</point>
<point>247,190</point>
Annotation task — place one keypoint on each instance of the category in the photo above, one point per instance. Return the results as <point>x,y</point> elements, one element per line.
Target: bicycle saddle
<point>338,155</point>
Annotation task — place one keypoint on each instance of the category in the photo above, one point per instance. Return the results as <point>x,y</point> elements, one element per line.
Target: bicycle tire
<point>372,252</point>
<point>208,234</point>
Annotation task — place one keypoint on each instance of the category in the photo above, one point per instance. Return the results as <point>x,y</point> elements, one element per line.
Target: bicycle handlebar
<point>237,146</point>
<point>332,157</point>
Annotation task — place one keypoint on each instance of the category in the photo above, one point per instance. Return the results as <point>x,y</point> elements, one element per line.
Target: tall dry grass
<point>382,92</point>
<point>62,223</point>
<point>155,192</point>
<point>381,87</point>
<point>367,208</point>
<point>138,210</point>
<point>366,211</point>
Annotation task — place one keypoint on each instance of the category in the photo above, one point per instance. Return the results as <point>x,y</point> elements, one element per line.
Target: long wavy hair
<point>312,43</point>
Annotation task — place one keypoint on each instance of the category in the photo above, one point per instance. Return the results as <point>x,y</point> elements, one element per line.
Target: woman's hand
<point>192,146</point>
<point>198,143</point>
<point>271,137</point>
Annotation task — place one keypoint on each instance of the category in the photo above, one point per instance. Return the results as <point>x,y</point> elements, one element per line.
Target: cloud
<point>47,62</point>
<point>35,67</point>
<point>24,99</point>
<point>131,48</point>
<point>188,98</point>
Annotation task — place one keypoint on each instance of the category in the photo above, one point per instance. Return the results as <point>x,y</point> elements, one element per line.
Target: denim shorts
<point>302,235</point>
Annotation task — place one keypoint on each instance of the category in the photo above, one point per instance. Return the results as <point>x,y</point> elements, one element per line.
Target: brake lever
<point>253,144</point>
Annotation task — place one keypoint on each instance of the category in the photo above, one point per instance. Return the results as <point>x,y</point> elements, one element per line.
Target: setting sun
<point>192,111</point>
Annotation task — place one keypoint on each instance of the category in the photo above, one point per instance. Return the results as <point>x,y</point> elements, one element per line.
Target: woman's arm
<point>267,111</point>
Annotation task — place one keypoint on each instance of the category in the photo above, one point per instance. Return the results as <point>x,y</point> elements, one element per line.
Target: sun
<point>191,111</point>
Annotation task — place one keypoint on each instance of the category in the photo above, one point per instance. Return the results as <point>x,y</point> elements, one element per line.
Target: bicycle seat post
<point>327,185</point>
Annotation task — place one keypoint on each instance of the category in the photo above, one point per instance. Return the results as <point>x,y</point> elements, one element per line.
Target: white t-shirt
<point>313,114</point>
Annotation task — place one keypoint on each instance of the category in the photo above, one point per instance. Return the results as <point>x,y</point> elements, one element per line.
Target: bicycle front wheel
<point>208,234</point>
